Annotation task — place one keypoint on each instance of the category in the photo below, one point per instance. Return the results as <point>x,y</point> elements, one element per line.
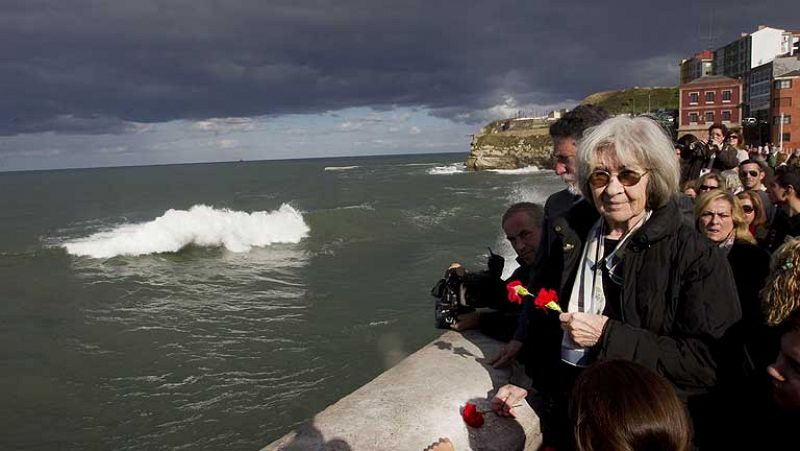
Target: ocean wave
<point>455,168</point>
<point>339,168</point>
<point>202,226</point>
<point>525,170</point>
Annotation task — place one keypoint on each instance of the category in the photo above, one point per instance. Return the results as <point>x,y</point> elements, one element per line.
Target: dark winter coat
<point>677,301</point>
<point>692,162</point>
<point>783,227</point>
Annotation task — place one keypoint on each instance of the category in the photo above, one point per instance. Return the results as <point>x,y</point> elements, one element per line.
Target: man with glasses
<point>752,173</point>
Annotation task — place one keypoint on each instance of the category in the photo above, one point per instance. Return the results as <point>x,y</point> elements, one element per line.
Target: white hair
<point>637,142</point>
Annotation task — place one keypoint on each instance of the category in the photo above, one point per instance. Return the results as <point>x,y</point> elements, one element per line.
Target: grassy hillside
<point>635,100</point>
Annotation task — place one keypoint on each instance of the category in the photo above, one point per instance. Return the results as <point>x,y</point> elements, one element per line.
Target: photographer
<point>522,224</point>
<point>712,155</point>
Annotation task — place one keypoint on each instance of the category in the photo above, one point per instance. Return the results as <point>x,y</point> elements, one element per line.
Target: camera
<point>461,291</point>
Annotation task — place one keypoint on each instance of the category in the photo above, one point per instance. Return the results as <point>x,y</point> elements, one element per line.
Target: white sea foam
<point>455,168</point>
<point>201,225</point>
<point>339,168</point>
<point>525,170</point>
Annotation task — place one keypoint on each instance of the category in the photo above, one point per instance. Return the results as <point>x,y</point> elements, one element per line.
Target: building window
<point>710,96</point>
<point>787,119</point>
<point>727,95</point>
<point>694,97</point>
<point>783,84</point>
<point>726,116</point>
<point>693,118</point>
<point>709,116</point>
<point>787,136</point>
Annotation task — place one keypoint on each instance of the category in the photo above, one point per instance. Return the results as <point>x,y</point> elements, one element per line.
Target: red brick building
<point>786,109</point>
<point>709,99</point>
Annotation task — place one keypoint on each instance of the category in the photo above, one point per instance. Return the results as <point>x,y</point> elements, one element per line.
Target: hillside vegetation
<point>635,100</point>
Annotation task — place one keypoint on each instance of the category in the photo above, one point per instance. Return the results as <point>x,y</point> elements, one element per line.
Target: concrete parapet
<point>413,404</point>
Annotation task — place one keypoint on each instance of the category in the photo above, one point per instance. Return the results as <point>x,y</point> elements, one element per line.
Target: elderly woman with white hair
<point>636,282</point>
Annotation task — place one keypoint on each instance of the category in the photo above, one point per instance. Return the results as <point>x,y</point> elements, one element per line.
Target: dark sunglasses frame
<point>752,173</point>
<point>600,178</point>
<point>707,188</point>
<point>748,208</point>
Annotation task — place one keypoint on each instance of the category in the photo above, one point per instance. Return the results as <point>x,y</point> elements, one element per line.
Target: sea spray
<point>201,225</point>
<point>454,168</point>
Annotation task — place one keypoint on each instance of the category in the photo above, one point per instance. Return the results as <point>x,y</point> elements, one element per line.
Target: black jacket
<point>783,227</point>
<point>692,162</point>
<point>678,299</point>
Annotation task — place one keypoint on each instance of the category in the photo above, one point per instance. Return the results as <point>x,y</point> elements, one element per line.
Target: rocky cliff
<point>516,143</point>
<point>511,144</point>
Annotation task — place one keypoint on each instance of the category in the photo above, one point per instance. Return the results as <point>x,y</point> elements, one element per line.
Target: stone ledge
<point>413,404</point>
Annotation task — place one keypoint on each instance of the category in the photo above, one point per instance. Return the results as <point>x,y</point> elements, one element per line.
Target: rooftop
<point>711,79</point>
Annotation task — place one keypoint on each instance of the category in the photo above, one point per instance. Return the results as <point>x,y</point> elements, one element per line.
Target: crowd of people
<point>678,276</point>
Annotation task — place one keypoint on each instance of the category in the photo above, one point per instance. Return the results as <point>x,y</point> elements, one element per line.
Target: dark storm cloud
<point>100,67</point>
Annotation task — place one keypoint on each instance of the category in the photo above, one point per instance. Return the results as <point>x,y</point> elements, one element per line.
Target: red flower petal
<point>545,297</point>
<point>471,415</point>
<point>513,296</point>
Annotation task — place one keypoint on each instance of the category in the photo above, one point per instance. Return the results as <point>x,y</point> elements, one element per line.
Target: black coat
<point>692,162</point>
<point>677,301</point>
<point>783,227</point>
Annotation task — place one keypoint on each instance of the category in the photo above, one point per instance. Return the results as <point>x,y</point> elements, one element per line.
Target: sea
<point>218,306</point>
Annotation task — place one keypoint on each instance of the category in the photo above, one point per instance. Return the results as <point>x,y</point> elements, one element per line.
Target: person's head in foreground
<point>720,217</point>
<point>566,132</point>
<point>522,224</point>
<point>622,406</point>
<point>626,167</point>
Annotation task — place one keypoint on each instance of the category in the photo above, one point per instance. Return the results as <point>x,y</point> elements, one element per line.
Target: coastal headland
<point>519,142</point>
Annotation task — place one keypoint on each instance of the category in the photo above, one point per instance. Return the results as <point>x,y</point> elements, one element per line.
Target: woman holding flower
<point>636,282</point>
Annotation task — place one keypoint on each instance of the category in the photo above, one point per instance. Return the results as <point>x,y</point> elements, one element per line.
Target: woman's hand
<point>506,398</point>
<point>585,329</point>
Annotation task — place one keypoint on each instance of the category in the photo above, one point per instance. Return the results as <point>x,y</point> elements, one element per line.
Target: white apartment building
<point>748,58</point>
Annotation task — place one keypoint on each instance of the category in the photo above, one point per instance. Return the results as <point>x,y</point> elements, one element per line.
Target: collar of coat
<point>662,223</point>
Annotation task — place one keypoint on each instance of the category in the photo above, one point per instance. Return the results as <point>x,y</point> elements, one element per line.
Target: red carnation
<point>547,299</point>
<point>472,416</point>
<point>516,291</point>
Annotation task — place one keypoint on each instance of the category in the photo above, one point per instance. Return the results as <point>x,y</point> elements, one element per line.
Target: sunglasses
<point>751,173</point>
<point>627,177</point>
<point>748,209</point>
<point>733,137</point>
<point>707,187</point>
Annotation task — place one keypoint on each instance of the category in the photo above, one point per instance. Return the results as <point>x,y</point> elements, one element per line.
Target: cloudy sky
<point>103,83</point>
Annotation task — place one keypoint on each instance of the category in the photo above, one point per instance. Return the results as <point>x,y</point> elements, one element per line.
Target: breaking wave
<point>525,170</point>
<point>201,225</point>
<point>455,168</point>
<point>339,168</point>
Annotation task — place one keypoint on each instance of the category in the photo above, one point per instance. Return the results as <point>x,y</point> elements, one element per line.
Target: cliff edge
<point>516,143</point>
<point>511,144</point>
